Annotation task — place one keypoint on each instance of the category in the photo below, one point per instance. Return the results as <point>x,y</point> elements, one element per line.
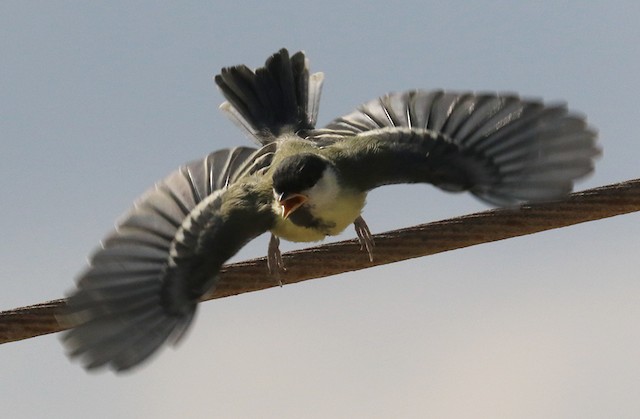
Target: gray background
<point>100,99</point>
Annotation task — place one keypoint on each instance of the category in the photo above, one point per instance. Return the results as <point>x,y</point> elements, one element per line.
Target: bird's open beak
<point>289,202</point>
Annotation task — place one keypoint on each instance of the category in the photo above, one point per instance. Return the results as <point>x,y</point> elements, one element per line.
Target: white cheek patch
<point>325,192</point>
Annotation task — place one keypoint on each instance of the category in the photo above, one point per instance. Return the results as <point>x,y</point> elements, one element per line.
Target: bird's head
<point>304,180</point>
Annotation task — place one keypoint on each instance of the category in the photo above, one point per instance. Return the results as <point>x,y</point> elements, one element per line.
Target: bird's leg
<point>274,258</point>
<point>364,236</point>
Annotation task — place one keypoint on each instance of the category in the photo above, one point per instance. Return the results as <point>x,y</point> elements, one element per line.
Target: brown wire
<point>393,246</point>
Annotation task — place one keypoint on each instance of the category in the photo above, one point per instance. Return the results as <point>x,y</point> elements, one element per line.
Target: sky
<point>98,100</point>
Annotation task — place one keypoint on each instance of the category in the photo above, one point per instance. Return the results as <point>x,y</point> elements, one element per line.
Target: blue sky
<point>101,99</point>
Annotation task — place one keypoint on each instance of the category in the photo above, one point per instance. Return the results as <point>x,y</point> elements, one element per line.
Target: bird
<point>142,285</point>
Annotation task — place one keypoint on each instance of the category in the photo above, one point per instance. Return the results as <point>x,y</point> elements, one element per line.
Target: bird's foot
<point>274,259</point>
<point>364,236</point>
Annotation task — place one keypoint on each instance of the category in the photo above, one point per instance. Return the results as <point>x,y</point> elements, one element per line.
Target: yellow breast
<point>343,211</point>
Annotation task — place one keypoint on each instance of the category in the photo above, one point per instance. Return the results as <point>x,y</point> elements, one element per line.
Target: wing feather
<point>134,295</point>
<point>502,148</point>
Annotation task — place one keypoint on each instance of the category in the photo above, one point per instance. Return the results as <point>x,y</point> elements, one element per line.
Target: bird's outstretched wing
<point>502,148</point>
<point>143,284</point>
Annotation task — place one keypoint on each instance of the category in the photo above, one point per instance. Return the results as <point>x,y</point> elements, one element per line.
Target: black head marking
<point>298,173</point>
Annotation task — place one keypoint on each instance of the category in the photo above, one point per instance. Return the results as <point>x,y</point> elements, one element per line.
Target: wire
<point>393,246</point>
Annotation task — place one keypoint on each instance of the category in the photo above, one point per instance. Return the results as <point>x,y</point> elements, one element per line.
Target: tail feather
<point>280,97</point>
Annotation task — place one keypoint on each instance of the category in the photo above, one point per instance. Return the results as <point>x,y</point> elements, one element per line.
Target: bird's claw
<point>274,259</point>
<point>364,236</point>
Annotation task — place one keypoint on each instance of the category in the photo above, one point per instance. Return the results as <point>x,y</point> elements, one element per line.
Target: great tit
<point>144,283</point>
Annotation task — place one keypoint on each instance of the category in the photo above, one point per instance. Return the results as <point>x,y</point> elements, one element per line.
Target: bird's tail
<point>280,97</point>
